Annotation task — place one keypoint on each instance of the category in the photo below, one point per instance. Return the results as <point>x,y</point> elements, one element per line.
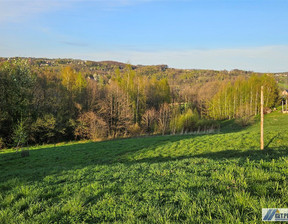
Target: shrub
<point>244,116</point>
<point>187,121</point>
<point>43,130</point>
<point>207,125</point>
<point>25,153</point>
<point>90,126</point>
<point>134,130</point>
<point>19,136</point>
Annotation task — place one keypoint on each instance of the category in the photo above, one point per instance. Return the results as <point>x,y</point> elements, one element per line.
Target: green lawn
<point>283,85</point>
<point>217,178</point>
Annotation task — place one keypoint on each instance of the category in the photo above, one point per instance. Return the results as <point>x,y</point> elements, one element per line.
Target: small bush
<point>19,136</point>
<point>24,153</point>
<point>43,130</point>
<point>244,116</point>
<point>134,130</point>
<point>207,125</point>
<point>90,126</point>
<point>187,121</point>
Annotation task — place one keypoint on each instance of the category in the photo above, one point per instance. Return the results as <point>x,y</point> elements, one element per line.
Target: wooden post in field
<point>262,120</point>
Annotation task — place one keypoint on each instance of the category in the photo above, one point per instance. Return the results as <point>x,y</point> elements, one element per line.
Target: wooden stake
<point>262,120</point>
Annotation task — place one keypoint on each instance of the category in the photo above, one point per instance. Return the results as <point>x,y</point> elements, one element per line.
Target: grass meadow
<point>215,178</point>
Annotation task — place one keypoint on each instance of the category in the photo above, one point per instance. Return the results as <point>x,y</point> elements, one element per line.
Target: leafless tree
<point>115,110</point>
<point>91,126</point>
<point>164,118</point>
<point>149,120</point>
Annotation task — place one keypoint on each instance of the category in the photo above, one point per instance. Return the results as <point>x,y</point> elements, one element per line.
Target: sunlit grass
<point>217,178</point>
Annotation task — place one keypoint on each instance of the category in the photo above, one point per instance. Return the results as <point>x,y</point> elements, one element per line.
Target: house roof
<point>285,92</point>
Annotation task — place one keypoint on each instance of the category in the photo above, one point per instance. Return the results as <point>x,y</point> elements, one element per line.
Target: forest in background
<point>54,100</point>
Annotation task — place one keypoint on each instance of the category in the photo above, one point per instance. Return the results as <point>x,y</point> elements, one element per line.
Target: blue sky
<point>205,34</point>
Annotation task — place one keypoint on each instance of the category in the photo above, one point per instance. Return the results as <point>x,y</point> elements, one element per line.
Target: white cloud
<point>18,10</point>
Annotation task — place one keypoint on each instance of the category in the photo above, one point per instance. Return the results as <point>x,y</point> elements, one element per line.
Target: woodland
<point>55,100</point>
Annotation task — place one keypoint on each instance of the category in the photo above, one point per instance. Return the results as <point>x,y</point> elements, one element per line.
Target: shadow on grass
<point>253,155</point>
<point>231,126</point>
<point>56,160</point>
<point>228,126</point>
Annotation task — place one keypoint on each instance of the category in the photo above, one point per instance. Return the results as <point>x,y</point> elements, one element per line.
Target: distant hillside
<point>112,65</point>
<point>107,68</point>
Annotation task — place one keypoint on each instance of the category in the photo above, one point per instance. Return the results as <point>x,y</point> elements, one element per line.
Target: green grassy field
<point>217,178</point>
<point>283,85</point>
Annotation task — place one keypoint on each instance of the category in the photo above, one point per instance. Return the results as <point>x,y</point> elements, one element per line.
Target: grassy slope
<point>199,179</point>
<point>283,85</point>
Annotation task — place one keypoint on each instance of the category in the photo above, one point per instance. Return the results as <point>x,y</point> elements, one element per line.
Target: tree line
<point>241,99</point>
<point>46,106</point>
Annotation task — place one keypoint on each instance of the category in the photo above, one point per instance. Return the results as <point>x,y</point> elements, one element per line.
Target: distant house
<point>285,93</point>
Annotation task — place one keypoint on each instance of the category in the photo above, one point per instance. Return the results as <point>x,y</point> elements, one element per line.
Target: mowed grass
<point>216,178</point>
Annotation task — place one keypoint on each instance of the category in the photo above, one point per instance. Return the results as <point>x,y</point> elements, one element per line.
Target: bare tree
<point>164,118</point>
<point>149,120</point>
<point>91,126</point>
<point>115,110</point>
